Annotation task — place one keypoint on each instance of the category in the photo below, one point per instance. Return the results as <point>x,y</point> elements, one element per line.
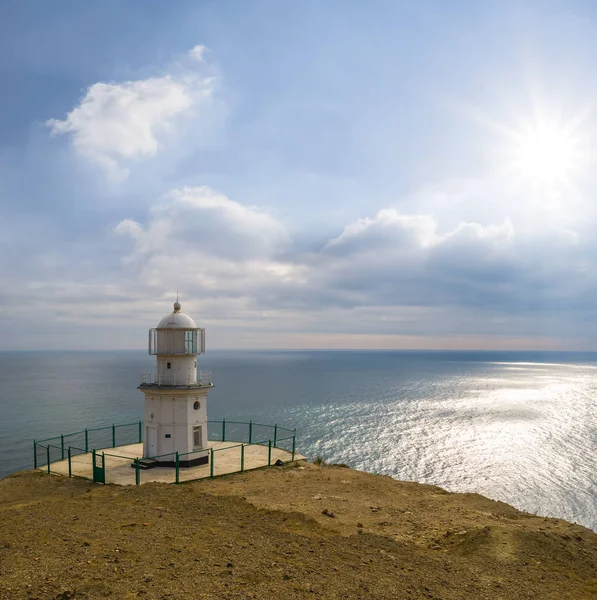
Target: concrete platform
<point>227,456</point>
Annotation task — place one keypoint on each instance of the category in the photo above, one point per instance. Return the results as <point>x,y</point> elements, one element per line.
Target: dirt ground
<point>299,531</point>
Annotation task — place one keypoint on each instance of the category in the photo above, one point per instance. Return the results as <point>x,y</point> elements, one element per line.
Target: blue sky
<point>310,175</point>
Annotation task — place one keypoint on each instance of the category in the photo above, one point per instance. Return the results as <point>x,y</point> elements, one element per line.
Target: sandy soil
<point>299,531</point>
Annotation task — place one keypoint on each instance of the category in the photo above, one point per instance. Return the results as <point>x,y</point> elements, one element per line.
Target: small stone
<point>229,565</point>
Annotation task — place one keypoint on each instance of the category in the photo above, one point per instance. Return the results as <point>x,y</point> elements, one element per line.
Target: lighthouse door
<point>152,441</point>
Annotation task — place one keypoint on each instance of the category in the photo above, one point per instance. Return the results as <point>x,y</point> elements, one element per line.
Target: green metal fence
<point>235,447</point>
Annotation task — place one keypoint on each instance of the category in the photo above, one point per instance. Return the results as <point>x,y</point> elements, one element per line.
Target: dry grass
<point>265,534</point>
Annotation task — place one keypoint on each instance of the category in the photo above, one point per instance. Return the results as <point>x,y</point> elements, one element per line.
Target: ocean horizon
<point>516,426</point>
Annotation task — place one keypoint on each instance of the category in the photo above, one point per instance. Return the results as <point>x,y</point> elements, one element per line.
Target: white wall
<point>174,414</point>
<point>182,371</point>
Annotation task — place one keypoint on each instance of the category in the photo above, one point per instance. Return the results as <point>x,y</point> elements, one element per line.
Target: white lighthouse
<point>175,418</point>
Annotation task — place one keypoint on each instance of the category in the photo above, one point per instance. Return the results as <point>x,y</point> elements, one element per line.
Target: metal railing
<point>151,378</point>
<point>67,447</point>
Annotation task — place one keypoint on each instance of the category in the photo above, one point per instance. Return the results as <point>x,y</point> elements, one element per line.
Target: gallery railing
<point>152,378</point>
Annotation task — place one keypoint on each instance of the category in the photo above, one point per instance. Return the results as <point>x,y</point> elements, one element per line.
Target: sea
<point>520,427</point>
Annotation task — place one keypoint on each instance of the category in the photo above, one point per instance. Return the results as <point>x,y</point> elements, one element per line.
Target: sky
<point>309,174</point>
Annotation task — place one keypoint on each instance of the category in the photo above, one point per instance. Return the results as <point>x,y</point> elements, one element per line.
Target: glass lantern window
<point>190,342</point>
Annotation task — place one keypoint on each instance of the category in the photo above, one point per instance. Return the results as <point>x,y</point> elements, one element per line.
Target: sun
<point>544,151</point>
<point>546,154</point>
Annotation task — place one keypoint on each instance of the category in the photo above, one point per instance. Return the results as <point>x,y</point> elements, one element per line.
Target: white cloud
<point>129,227</point>
<point>197,53</point>
<point>388,226</point>
<point>216,246</point>
<point>198,218</point>
<point>116,123</point>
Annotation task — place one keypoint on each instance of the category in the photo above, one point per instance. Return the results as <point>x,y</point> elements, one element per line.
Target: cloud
<point>117,123</point>
<point>410,260</point>
<point>212,245</point>
<point>197,53</point>
<point>388,227</point>
<point>404,275</point>
<point>130,228</point>
<point>194,219</point>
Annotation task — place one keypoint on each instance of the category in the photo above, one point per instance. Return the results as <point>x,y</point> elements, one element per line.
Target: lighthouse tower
<point>175,417</point>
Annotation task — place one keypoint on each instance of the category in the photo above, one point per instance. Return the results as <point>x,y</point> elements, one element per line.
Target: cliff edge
<point>299,531</point>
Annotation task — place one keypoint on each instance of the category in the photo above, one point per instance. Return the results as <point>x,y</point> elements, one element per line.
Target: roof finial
<point>177,303</point>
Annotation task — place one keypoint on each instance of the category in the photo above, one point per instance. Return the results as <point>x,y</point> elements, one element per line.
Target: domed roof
<point>177,320</point>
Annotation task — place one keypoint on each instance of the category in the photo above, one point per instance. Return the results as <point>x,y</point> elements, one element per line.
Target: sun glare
<point>546,155</point>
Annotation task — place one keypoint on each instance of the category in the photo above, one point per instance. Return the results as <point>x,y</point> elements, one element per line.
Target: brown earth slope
<point>290,532</point>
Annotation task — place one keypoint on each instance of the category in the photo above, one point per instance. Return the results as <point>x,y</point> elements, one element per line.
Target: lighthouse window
<point>196,405</point>
<point>168,365</point>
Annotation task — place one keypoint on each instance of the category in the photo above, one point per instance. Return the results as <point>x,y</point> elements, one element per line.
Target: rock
<point>279,463</point>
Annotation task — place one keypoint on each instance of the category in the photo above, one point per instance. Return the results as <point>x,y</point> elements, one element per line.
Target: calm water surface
<point>517,427</point>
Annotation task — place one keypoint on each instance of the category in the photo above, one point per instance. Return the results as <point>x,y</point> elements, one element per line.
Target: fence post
<point>293,443</point>
<point>113,436</point>
<point>177,467</point>
<point>86,441</point>
<point>34,454</point>
<point>223,430</point>
<point>211,464</point>
<point>275,434</point>
<point>140,431</point>
<point>269,453</point>
<point>70,468</point>
<point>48,456</point>
<point>137,472</point>
<point>62,444</point>
<point>242,458</point>
<point>250,431</point>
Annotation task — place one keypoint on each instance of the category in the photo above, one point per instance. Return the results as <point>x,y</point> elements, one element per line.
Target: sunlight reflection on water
<point>527,441</point>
